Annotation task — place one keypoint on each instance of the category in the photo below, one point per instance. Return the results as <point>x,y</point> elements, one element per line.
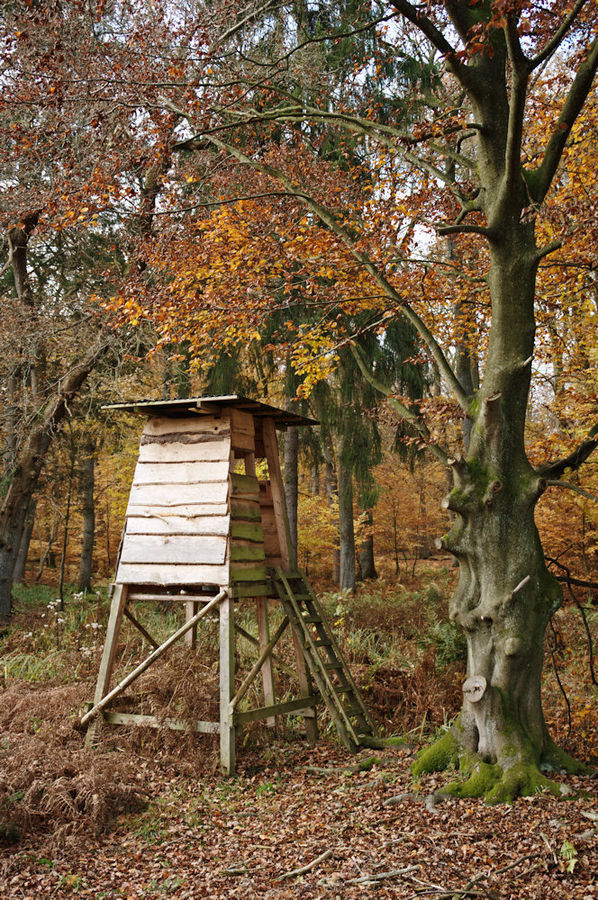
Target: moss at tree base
<point>438,756</point>
<point>487,780</point>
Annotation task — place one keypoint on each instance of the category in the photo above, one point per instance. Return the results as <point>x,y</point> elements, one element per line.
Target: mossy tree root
<point>493,782</point>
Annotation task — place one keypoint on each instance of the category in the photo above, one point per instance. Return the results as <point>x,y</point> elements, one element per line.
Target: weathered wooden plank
<point>186,510</point>
<point>118,718</point>
<point>278,498</point>
<point>168,574</point>
<point>242,421</point>
<point>173,549</point>
<point>164,425</point>
<point>178,451</point>
<point>265,712</point>
<point>241,591</point>
<point>242,551</point>
<point>263,630</point>
<point>247,572</point>
<point>271,545</point>
<point>147,595</point>
<point>244,484</point>
<point>167,524</point>
<point>244,509</point>
<point>117,609</point>
<point>247,531</point>
<point>242,441</point>
<point>169,495</point>
<point>181,472</point>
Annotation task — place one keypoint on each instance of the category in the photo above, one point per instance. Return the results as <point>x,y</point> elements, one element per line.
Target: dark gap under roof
<point>210,406</point>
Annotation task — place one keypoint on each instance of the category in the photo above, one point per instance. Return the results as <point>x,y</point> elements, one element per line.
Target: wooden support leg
<point>117,607</point>
<point>191,608</point>
<point>263,627</point>
<point>309,716</point>
<point>227,686</point>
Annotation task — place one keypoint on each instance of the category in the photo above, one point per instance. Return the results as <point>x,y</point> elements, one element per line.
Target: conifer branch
<point>401,408</point>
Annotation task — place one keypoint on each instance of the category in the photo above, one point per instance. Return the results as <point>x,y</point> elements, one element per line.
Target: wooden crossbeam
<point>304,705</point>
<point>118,718</point>
<point>152,658</point>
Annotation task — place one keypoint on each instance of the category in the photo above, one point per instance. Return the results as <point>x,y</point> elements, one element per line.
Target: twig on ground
<point>312,865</point>
<point>382,876</point>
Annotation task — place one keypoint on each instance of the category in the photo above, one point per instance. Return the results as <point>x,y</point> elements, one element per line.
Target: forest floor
<point>146,814</point>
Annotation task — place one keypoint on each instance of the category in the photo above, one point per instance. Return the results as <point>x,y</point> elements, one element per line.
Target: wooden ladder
<point>324,659</point>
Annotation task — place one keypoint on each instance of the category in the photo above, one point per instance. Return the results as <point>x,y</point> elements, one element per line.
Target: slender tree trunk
<point>366,562</point>
<point>18,574</point>
<point>67,521</point>
<point>291,480</point>
<point>346,531</point>
<point>87,482</point>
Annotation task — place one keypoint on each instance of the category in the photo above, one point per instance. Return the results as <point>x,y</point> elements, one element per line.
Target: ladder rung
<point>353,711</point>
<point>333,666</point>
<point>322,643</point>
<point>311,619</point>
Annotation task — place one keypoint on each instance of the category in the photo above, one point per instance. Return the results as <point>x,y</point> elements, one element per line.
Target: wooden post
<point>191,608</point>
<point>117,608</point>
<point>227,685</point>
<point>288,562</point>
<point>263,627</point>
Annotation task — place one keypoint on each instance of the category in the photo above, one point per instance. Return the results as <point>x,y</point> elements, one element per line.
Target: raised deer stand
<point>201,532</point>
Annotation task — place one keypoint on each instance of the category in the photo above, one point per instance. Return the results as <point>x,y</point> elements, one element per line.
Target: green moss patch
<point>438,756</point>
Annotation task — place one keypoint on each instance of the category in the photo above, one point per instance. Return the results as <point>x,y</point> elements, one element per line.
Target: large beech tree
<point>480,163</point>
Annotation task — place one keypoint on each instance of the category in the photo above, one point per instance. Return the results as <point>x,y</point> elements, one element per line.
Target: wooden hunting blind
<point>201,529</point>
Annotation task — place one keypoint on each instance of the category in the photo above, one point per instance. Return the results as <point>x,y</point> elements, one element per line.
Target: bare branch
<point>574,460</point>
<point>519,79</point>
<point>555,482</point>
<point>464,229</point>
<point>539,180</point>
<point>554,43</point>
<point>250,16</point>
<point>414,15</point>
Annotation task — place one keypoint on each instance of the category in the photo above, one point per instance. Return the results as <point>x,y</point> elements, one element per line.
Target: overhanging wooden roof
<point>210,406</point>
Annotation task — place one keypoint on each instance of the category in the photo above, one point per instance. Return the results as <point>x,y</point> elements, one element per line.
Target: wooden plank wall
<point>271,542</point>
<point>178,517</point>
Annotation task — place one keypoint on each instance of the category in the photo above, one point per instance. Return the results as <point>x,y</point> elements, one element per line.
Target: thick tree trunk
<point>87,482</point>
<point>505,595</point>
<point>346,533</point>
<point>291,480</point>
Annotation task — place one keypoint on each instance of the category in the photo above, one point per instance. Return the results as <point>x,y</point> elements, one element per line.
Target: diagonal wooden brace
<point>152,657</point>
<point>259,663</point>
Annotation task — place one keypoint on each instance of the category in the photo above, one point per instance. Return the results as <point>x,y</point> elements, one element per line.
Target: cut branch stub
<point>492,420</point>
<point>460,471</point>
<point>474,688</point>
<point>494,488</point>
